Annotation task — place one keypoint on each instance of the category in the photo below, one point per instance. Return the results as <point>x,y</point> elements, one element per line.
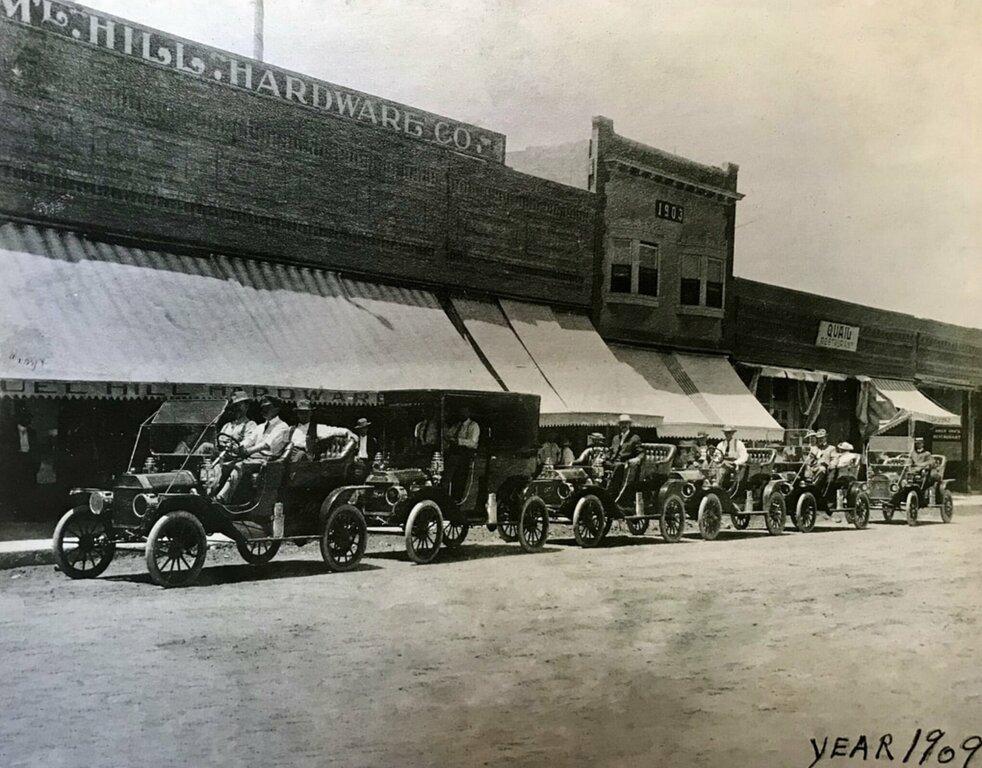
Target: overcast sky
<point>856,124</point>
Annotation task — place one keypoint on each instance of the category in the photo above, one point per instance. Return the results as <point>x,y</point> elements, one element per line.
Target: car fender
<point>591,489</point>
<point>776,484</point>
<point>337,497</point>
<point>435,493</point>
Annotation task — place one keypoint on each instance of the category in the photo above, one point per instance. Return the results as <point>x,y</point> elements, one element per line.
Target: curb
<point>32,557</point>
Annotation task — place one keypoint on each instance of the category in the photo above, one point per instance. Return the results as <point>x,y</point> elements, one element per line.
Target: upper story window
<point>634,267</point>
<point>701,283</point>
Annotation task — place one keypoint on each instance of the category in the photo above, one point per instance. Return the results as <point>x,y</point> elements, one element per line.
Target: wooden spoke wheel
<point>424,532</point>
<point>455,533</point>
<point>710,516</point>
<point>589,521</point>
<point>947,506</point>
<point>508,532</point>
<point>176,549</point>
<point>740,522</point>
<point>533,528</point>
<point>911,507</point>
<point>805,512</point>
<point>83,544</point>
<point>345,538</point>
<point>257,552</point>
<point>887,512</point>
<point>776,514</point>
<point>671,521</point>
<point>638,527</point>
<point>860,515</point>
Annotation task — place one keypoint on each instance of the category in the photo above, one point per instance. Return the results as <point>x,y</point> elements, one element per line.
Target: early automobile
<point>586,497</point>
<point>444,461</point>
<point>894,486</point>
<point>162,499</point>
<point>753,489</point>
<point>840,491</point>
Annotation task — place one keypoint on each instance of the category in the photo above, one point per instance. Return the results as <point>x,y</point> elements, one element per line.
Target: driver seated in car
<point>731,454</point>
<point>232,434</point>
<point>595,452</point>
<point>821,458</point>
<point>265,443</point>
<point>922,464</point>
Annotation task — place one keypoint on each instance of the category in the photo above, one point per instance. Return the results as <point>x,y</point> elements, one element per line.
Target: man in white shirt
<point>731,454</point>
<point>337,440</point>
<point>427,432</point>
<point>267,442</point>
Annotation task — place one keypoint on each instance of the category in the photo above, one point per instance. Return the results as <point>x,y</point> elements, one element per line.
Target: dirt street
<point>730,653</point>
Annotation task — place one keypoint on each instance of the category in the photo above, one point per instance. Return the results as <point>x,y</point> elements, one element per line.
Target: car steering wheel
<point>714,454</point>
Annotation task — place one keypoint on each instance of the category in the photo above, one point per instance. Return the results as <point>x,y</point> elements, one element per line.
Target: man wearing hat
<point>304,446</point>
<point>731,453</point>
<point>366,447</point>
<point>922,464</point>
<point>700,451</point>
<point>266,442</point>
<point>625,446</point>
<point>462,439</point>
<point>822,457</point>
<point>239,424</point>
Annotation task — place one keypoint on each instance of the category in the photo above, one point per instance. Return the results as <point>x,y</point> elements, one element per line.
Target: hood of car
<point>404,477</point>
<point>159,482</point>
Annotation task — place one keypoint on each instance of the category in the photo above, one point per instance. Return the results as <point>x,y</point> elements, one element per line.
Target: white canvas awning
<point>594,386</point>
<point>74,309</point>
<point>910,402</point>
<point>721,397</point>
<point>490,330</point>
<point>796,374</point>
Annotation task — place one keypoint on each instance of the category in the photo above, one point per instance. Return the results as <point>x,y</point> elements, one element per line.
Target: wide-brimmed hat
<point>844,446</point>
<point>302,405</point>
<point>269,400</point>
<point>239,396</point>
<point>821,433</point>
<point>595,437</point>
<point>702,433</point>
<point>624,417</point>
<point>810,433</point>
<point>728,428</point>
<point>362,423</point>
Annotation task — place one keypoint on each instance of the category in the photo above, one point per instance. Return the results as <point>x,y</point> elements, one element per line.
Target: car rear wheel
<point>911,507</point>
<point>257,552</point>
<point>455,533</point>
<point>860,515</point>
<point>740,522</point>
<point>638,527</point>
<point>176,550</point>
<point>947,506</point>
<point>805,512</point>
<point>533,529</point>
<point>345,538</point>
<point>82,543</point>
<point>424,532</point>
<point>671,521</point>
<point>589,521</point>
<point>776,514</point>
<point>710,516</point>
<point>508,532</point>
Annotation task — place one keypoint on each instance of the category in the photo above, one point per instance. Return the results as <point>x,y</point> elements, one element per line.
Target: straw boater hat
<point>728,428</point>
<point>302,405</point>
<point>625,418</point>
<point>821,433</point>
<point>595,438</point>
<point>239,396</point>
<point>844,446</point>
<point>269,400</point>
<point>362,423</point>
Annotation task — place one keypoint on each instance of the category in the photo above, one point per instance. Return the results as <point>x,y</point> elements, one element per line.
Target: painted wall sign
<point>670,211</point>
<point>953,434</point>
<point>837,336</point>
<point>104,31</point>
<point>128,390</point>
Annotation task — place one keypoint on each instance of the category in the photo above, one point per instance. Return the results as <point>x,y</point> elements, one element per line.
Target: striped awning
<point>89,318</point>
<point>910,403</point>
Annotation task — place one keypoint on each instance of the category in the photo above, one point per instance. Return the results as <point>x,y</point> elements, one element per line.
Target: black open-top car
<point>442,461</point>
<point>163,499</point>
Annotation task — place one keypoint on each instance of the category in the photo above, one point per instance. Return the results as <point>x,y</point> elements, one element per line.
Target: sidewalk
<point>26,552</point>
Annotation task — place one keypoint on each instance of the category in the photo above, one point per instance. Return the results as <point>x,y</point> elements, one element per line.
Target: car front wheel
<point>82,543</point>
<point>424,532</point>
<point>176,550</point>
<point>345,538</point>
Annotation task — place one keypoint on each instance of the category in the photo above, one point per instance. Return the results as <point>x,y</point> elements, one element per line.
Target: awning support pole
<point>968,437</point>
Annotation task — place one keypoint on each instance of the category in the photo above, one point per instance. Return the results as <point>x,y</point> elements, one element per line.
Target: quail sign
<point>837,336</point>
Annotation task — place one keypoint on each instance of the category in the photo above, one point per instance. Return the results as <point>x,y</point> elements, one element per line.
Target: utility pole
<point>257,31</point>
